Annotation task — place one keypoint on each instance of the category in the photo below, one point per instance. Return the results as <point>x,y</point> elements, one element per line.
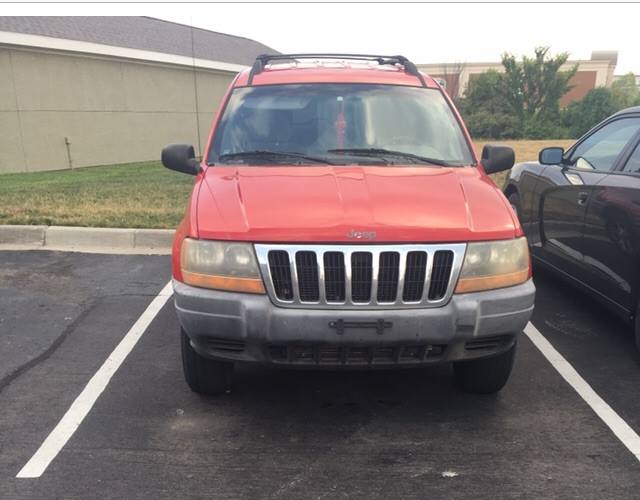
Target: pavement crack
<point>25,367</point>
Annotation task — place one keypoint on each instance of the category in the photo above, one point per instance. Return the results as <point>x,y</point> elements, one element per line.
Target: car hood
<point>352,204</point>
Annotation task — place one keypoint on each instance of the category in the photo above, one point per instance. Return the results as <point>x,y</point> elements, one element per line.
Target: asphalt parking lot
<point>291,434</point>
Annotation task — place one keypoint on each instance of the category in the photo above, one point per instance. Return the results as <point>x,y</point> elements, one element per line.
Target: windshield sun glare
<point>333,123</point>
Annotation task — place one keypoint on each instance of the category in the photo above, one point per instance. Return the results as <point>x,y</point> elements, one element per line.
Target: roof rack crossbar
<point>263,59</point>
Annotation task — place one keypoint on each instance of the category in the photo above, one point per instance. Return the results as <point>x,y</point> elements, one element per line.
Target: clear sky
<point>425,33</point>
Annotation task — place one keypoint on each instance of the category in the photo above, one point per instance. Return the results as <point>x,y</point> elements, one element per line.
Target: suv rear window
<point>317,119</point>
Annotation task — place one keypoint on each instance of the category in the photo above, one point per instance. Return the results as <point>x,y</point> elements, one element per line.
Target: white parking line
<point>618,426</point>
<point>76,413</point>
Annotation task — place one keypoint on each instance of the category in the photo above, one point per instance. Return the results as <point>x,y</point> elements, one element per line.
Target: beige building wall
<point>108,109</point>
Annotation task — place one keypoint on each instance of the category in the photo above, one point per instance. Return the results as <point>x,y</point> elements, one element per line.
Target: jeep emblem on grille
<point>361,235</point>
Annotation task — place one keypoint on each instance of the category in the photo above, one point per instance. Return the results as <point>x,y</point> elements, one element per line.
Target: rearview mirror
<point>551,156</point>
<point>497,158</point>
<point>181,158</point>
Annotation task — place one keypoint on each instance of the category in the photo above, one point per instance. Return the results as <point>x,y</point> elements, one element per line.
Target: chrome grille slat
<point>294,276</point>
<point>375,269</point>
<point>343,278</point>
<point>322,291</point>
<point>402,269</point>
<point>346,256</point>
<point>427,277</point>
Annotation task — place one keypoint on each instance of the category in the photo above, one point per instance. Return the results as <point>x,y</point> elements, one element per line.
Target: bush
<point>495,125</point>
<point>625,92</point>
<point>580,116</point>
<point>544,128</point>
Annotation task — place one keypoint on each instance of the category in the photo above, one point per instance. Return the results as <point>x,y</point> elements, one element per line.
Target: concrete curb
<point>87,239</point>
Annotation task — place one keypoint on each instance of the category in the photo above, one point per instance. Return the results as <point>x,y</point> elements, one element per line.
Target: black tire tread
<point>203,375</point>
<point>485,375</point>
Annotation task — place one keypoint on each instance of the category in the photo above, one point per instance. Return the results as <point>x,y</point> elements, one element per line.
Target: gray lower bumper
<point>247,327</point>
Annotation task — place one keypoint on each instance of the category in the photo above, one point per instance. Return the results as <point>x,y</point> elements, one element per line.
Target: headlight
<point>221,265</point>
<point>494,264</point>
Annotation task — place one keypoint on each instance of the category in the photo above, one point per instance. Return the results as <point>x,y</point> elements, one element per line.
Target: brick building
<point>595,72</point>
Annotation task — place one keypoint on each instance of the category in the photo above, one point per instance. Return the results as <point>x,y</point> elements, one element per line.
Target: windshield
<point>338,124</point>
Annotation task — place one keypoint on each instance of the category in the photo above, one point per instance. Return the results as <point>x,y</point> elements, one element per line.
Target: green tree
<point>486,112</point>
<point>599,103</point>
<point>524,101</point>
<point>533,89</point>
<point>625,92</point>
<point>484,92</point>
<point>580,116</point>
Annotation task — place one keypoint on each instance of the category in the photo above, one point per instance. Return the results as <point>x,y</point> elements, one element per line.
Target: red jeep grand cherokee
<point>341,219</point>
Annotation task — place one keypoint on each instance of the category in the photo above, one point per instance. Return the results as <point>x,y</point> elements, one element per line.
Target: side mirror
<point>551,156</point>
<point>497,158</point>
<point>181,158</point>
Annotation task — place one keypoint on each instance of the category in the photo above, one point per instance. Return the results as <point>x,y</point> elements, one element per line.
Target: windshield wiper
<point>273,154</point>
<point>389,152</point>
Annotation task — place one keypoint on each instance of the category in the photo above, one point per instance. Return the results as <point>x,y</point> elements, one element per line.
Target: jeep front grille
<point>360,276</point>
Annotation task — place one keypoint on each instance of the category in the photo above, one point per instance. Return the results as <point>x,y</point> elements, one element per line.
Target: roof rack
<point>263,59</point>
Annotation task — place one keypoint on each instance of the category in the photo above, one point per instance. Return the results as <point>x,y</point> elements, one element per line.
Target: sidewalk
<point>87,239</point>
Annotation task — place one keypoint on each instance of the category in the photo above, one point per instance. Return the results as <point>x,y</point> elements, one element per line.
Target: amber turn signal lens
<point>244,285</point>
<point>467,285</point>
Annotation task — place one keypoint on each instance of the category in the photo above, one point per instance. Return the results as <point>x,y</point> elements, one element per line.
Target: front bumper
<point>247,327</point>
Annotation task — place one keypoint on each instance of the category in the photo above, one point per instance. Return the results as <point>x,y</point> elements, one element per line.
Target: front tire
<point>203,375</point>
<point>484,375</point>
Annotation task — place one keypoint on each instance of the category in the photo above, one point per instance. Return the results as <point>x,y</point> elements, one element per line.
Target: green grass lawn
<point>141,195</point>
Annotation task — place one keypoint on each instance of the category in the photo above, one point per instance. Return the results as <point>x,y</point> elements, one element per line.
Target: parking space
<point>599,345</point>
<point>292,434</point>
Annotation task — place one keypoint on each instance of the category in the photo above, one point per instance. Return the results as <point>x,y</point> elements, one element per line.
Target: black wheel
<point>204,375</point>
<point>514,200</point>
<point>484,375</point>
